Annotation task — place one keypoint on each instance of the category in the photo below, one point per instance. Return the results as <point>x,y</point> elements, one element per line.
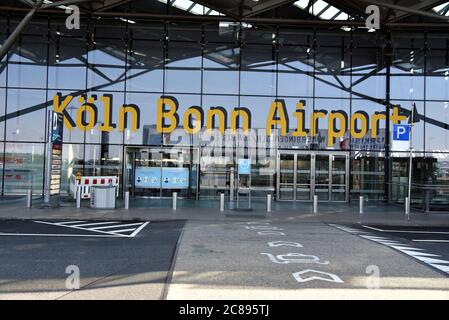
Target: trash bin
<point>102,197</point>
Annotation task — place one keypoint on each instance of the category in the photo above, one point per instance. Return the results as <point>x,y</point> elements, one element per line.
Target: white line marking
<point>400,248</point>
<point>59,235</point>
<point>132,235</point>
<point>372,228</point>
<point>407,231</point>
<point>124,230</point>
<point>116,226</point>
<point>78,228</point>
<point>431,260</point>
<point>429,240</point>
<point>419,254</point>
<point>93,224</point>
<point>442,268</point>
<point>66,222</point>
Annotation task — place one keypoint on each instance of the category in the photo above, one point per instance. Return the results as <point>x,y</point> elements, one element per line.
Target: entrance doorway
<point>303,174</point>
<point>158,172</point>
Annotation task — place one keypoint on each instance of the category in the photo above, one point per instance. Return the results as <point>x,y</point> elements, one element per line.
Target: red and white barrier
<point>86,183</point>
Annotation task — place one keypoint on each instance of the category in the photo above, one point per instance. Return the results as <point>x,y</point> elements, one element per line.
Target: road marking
<point>330,276</point>
<point>132,235</point>
<point>67,222</point>
<point>430,240</point>
<point>73,227</point>
<point>271,233</point>
<point>406,231</point>
<point>117,225</point>
<point>275,244</point>
<point>59,235</point>
<point>294,258</point>
<point>92,224</point>
<point>415,253</point>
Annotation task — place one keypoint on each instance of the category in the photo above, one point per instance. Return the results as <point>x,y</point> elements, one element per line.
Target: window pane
<point>295,74</point>
<point>146,134</point>
<point>24,163</point>
<point>67,68</point>
<point>258,76</point>
<point>146,63</point>
<point>26,109</point>
<point>183,68</point>
<point>437,133</point>
<point>28,58</point>
<point>106,65</point>
<point>221,66</point>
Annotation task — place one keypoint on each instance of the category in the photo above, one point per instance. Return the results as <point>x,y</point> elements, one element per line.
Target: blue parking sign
<point>401,132</point>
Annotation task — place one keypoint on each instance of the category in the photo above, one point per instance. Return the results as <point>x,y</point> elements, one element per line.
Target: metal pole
<point>175,200</point>
<point>361,204</point>
<point>232,187</point>
<point>222,200</point>
<point>407,207</point>
<point>78,197</point>
<point>18,30</point>
<point>29,198</point>
<point>268,202</point>
<point>315,204</point>
<point>410,164</point>
<point>126,200</point>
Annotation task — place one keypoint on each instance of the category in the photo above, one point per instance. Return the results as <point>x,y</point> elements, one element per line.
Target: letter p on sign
<point>401,132</point>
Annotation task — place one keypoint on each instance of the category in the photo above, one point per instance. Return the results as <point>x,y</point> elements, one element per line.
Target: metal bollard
<point>222,202</point>
<point>126,200</point>
<point>29,198</point>
<point>78,197</point>
<point>315,204</point>
<point>268,202</point>
<point>361,204</point>
<point>407,207</point>
<point>175,200</point>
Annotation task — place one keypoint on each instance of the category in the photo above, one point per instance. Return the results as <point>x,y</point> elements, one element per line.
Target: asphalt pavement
<point>114,259</point>
<point>272,259</point>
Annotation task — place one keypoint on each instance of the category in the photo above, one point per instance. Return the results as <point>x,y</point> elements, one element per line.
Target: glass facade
<point>344,80</point>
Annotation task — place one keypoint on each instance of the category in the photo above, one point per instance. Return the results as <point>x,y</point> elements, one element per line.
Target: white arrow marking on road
<point>275,244</point>
<point>330,276</point>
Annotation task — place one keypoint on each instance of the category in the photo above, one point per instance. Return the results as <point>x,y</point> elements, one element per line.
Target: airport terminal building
<point>289,98</point>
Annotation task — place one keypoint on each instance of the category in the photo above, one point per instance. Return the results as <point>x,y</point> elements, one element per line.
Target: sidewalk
<point>161,210</point>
